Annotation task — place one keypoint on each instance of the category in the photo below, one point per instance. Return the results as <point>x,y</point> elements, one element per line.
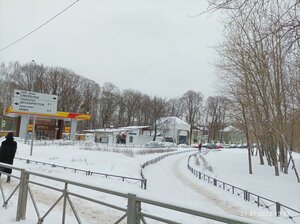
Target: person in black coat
<point>7,153</point>
<point>199,147</point>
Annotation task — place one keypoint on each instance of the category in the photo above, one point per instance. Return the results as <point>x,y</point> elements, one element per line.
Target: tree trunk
<point>261,158</point>
<point>249,160</point>
<point>275,161</point>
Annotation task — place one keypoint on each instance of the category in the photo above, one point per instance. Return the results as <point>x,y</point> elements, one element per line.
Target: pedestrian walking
<point>7,153</point>
<point>200,146</point>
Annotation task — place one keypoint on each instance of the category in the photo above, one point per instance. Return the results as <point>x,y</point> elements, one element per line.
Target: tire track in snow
<point>226,206</point>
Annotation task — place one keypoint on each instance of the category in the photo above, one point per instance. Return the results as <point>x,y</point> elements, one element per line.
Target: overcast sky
<point>153,46</point>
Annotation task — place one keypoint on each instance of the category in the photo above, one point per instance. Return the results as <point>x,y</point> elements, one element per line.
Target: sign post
<point>32,102</point>
<point>32,136</point>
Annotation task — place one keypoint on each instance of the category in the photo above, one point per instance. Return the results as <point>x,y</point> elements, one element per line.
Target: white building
<point>174,130</point>
<point>132,135</point>
<point>232,135</point>
<point>169,129</point>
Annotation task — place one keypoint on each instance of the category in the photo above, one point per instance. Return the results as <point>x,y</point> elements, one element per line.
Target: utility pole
<point>34,67</point>
<point>33,125</point>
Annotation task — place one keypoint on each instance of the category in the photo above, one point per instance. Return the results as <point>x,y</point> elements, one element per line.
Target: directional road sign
<point>25,101</point>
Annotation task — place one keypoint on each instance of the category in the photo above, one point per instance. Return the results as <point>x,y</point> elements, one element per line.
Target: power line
<point>39,27</point>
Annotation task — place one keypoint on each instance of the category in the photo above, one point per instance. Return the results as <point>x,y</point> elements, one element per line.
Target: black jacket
<point>7,152</point>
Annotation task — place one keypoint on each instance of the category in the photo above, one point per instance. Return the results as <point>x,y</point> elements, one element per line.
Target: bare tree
<point>175,107</point>
<point>216,111</point>
<point>192,105</point>
<point>157,110</point>
<point>109,99</point>
<point>145,117</point>
<point>90,98</point>
<point>66,84</point>
<point>74,92</point>
<point>260,48</point>
<point>131,102</point>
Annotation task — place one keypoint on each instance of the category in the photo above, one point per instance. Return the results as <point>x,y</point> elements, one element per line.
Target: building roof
<point>128,128</point>
<point>230,128</point>
<point>172,120</point>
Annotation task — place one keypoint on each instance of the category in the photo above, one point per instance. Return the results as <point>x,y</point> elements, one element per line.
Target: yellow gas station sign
<point>67,129</point>
<point>29,128</point>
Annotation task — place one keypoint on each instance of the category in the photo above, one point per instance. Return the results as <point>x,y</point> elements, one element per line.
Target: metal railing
<point>157,159</point>
<point>143,181</point>
<point>274,208</point>
<point>130,207</point>
<point>89,144</point>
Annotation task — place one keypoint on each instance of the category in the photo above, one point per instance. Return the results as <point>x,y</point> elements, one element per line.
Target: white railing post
<point>23,193</point>
<point>133,210</point>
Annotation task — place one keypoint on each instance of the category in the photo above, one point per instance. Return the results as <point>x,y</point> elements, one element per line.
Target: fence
<point>260,201</point>
<point>89,144</point>
<point>130,207</point>
<point>143,181</point>
<point>157,159</point>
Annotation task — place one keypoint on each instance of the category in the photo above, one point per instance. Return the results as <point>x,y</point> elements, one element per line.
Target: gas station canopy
<point>58,115</point>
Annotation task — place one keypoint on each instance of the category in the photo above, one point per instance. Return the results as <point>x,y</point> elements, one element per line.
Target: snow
<point>168,181</point>
<point>230,128</point>
<point>172,120</point>
<point>256,182</point>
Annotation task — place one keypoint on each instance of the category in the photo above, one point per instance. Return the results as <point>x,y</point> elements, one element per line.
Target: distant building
<point>232,135</point>
<point>132,135</point>
<point>169,129</point>
<point>47,126</point>
<point>198,135</point>
<point>174,130</point>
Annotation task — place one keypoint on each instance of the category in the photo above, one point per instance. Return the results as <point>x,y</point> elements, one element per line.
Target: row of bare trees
<point>108,105</point>
<point>260,66</point>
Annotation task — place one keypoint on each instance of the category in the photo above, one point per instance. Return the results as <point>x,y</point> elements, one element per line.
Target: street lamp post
<point>32,135</point>
<point>34,67</point>
<point>34,116</point>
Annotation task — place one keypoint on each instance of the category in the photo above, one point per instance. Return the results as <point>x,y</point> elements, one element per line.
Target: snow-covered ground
<point>168,181</point>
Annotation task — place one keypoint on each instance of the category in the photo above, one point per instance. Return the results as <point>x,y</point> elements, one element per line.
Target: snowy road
<point>171,177</point>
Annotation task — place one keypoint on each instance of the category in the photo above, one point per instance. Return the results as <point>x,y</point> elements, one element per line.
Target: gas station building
<point>47,126</point>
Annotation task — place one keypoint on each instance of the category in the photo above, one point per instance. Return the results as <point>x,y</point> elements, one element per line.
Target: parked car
<point>231,146</point>
<point>226,146</point>
<point>209,145</point>
<point>219,146</point>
